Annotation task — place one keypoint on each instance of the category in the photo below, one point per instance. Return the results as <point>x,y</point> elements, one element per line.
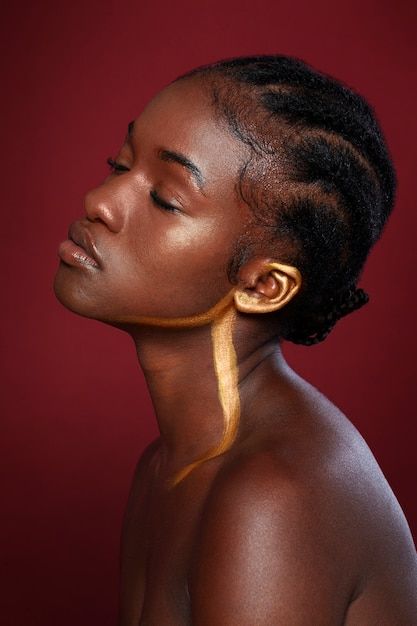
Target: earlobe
<point>271,287</point>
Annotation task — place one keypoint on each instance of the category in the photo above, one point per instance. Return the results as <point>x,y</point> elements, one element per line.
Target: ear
<point>265,286</point>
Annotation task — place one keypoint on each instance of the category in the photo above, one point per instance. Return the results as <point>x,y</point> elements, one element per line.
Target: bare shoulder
<point>265,549</point>
<point>300,519</point>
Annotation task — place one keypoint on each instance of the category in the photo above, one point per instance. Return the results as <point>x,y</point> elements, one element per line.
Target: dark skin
<point>295,524</point>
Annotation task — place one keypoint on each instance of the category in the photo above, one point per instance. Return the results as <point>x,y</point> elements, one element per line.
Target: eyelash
<point>115,166</point>
<point>118,168</point>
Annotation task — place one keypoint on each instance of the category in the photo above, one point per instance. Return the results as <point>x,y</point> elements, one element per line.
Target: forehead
<point>182,118</point>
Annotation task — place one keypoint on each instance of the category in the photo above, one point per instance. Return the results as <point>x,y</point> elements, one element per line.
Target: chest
<point>157,548</point>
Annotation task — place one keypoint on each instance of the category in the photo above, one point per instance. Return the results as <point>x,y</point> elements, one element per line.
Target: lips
<point>79,249</point>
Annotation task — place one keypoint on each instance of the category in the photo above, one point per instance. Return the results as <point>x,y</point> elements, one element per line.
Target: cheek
<point>181,268</point>
<point>201,250</point>
<point>199,239</point>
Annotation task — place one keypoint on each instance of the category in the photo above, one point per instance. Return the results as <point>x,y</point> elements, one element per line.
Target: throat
<point>193,379</point>
<point>180,375</point>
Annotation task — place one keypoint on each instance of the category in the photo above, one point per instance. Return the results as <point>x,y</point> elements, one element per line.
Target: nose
<point>101,207</point>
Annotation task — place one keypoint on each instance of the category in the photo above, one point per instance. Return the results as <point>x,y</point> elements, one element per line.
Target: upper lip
<point>80,235</point>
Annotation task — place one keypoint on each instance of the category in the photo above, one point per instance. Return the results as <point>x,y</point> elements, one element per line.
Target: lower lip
<point>76,256</point>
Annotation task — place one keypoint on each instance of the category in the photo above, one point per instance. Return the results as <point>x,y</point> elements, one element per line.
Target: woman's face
<point>163,225</point>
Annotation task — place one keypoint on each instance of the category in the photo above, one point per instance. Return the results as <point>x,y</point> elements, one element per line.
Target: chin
<point>84,298</point>
<point>71,295</point>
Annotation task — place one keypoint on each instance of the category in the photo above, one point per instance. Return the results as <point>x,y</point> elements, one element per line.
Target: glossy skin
<point>295,524</point>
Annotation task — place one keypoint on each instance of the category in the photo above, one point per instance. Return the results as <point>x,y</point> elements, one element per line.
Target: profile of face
<point>200,175</point>
<point>160,230</point>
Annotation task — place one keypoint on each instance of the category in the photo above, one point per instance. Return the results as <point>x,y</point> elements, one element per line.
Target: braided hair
<point>319,180</point>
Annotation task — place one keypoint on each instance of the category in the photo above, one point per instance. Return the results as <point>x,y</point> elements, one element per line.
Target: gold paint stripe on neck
<point>226,369</point>
<point>222,315</point>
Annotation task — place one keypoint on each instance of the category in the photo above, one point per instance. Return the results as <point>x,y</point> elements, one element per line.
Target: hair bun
<point>337,306</point>
<point>349,301</point>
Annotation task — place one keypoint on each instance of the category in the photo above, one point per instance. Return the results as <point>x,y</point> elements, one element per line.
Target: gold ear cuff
<point>289,280</point>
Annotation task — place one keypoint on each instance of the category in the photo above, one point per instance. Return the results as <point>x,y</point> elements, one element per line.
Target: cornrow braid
<point>318,178</point>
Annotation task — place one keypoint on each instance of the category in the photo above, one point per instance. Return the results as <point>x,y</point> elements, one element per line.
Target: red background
<point>75,411</point>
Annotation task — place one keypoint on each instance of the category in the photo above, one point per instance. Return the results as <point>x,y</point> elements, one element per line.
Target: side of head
<point>319,180</point>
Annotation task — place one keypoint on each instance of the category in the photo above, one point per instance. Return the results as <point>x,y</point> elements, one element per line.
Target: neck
<point>179,371</point>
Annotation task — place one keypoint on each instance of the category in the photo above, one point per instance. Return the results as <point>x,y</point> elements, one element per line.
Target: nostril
<point>96,219</point>
<point>99,211</point>
<point>104,214</point>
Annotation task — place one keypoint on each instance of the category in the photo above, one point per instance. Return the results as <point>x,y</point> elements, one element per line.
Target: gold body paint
<point>226,369</point>
<point>222,316</point>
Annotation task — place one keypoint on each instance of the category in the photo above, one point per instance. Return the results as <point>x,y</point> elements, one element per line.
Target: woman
<point>239,213</point>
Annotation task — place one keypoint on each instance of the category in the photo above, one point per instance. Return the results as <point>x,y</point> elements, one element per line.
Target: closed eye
<point>115,166</point>
<point>118,168</point>
<point>162,203</point>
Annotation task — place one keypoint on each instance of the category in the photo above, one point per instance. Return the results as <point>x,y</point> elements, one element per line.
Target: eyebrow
<point>181,159</point>
<point>171,156</point>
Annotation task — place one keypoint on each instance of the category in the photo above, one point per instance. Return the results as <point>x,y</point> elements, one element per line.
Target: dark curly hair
<point>319,180</point>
